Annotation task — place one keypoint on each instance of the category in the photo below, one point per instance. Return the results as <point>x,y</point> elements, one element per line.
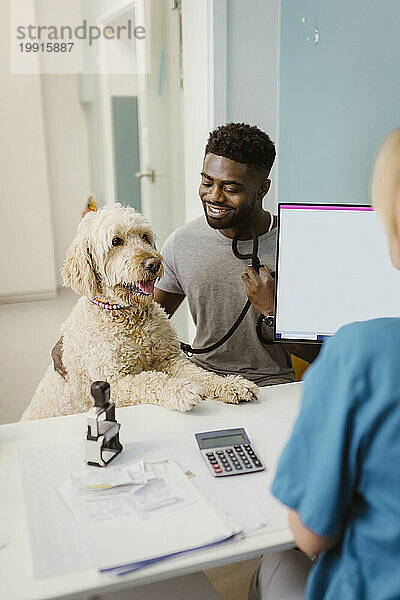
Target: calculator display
<point>220,441</point>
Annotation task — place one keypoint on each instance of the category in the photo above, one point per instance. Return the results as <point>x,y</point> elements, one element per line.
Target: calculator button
<point>213,461</point>
<point>218,470</point>
<point>220,452</point>
<point>228,468</point>
<point>257,463</point>
<point>248,466</point>
<point>238,467</point>
<point>237,447</point>
<point>247,446</point>
<point>210,454</point>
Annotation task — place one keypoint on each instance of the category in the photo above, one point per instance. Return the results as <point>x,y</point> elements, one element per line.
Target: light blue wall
<point>338,98</point>
<point>246,54</point>
<point>251,64</point>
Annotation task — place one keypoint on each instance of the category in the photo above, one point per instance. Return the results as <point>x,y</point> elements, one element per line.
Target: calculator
<point>228,452</point>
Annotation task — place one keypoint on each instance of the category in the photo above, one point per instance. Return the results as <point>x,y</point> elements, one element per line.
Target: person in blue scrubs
<point>340,471</point>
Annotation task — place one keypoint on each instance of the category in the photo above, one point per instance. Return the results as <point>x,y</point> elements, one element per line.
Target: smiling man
<point>200,265</point>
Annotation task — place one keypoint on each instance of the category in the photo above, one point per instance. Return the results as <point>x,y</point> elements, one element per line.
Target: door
<point>126,148</point>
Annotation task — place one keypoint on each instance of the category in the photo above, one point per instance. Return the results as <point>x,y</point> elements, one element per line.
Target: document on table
<point>125,531</point>
<point>104,520</point>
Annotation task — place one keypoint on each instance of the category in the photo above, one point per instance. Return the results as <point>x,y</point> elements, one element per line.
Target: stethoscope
<point>255,263</point>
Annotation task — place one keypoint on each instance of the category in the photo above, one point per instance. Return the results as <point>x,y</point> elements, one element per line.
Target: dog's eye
<point>145,238</point>
<point>117,241</point>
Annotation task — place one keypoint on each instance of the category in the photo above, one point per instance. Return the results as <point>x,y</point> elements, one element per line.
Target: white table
<point>157,432</point>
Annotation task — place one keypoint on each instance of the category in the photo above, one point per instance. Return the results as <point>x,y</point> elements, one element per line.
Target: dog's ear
<point>79,272</point>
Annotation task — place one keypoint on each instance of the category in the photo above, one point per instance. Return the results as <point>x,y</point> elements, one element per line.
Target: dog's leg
<point>155,387</point>
<point>55,397</point>
<point>230,389</point>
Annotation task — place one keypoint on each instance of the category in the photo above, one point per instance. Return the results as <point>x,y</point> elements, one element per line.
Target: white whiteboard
<point>333,268</point>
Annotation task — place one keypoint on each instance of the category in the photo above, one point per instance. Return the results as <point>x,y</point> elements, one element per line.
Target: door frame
<point>199,86</point>
<point>202,95</point>
<point>105,103</point>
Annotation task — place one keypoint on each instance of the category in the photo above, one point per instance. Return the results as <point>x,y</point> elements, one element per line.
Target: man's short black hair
<point>242,143</point>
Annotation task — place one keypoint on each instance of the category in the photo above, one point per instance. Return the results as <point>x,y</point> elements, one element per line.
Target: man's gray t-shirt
<point>199,263</point>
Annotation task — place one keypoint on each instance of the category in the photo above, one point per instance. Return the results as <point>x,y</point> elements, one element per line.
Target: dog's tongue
<point>147,286</point>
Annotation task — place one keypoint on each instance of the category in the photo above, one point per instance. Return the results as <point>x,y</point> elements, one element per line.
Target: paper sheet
<point>59,531</point>
<point>192,523</point>
<point>142,500</point>
<point>56,546</point>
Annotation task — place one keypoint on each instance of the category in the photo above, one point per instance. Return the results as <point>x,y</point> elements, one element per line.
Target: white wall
<point>28,332</point>
<point>68,160</point>
<point>26,243</point>
<point>44,178</point>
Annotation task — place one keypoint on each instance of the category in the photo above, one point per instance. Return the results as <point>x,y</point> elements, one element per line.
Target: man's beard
<point>230,220</point>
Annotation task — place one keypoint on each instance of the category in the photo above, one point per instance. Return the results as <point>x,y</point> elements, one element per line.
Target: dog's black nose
<point>152,264</point>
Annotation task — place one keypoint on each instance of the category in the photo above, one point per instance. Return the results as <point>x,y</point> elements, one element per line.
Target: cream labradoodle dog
<point>117,333</point>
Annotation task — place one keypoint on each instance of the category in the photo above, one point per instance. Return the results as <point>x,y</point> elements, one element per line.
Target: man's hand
<point>260,289</point>
<point>56,355</point>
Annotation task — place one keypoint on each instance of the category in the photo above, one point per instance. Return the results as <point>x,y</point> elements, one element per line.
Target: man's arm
<point>168,301</point>
<point>260,290</point>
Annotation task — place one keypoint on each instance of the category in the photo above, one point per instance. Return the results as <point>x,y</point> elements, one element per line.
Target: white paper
<point>56,546</point>
<point>131,539</point>
<point>143,500</point>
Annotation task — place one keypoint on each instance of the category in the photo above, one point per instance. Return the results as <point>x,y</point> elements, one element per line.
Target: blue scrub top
<point>341,467</point>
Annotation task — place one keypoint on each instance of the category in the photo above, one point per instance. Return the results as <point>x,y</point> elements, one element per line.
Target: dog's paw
<point>189,395</point>
<point>235,389</point>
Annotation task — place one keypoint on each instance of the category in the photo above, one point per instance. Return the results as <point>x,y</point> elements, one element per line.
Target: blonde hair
<point>385,184</point>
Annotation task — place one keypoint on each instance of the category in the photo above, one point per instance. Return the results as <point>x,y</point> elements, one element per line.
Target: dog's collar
<point>107,305</point>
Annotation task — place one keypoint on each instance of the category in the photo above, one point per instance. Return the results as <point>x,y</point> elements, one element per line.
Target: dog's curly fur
<point>135,348</point>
